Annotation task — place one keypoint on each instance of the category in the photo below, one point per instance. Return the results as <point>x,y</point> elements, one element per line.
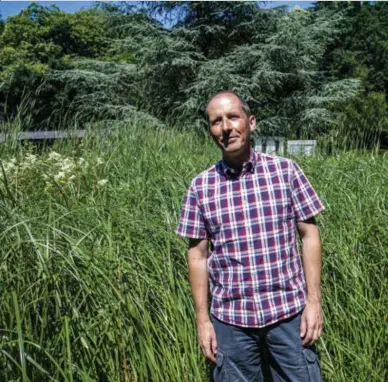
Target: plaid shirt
<point>255,271</point>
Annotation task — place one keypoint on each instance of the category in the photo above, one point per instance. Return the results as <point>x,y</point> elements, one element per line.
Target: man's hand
<point>311,323</point>
<point>312,317</point>
<point>207,340</point>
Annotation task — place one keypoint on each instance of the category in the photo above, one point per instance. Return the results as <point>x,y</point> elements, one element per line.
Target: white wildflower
<point>9,166</point>
<point>102,182</point>
<point>31,158</point>
<point>99,161</point>
<point>54,155</point>
<point>67,167</point>
<point>60,175</point>
<point>25,165</point>
<point>82,162</point>
<point>68,161</point>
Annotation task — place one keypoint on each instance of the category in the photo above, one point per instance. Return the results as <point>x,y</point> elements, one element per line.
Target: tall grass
<point>94,281</point>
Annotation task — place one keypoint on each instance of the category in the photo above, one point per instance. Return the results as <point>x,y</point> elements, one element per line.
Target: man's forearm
<point>198,276</point>
<point>312,318</point>
<point>312,263</point>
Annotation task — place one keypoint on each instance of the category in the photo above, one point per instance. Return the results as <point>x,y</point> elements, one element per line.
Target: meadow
<point>94,282</point>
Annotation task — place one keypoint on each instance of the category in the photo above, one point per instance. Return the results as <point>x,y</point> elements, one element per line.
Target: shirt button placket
<point>244,186</point>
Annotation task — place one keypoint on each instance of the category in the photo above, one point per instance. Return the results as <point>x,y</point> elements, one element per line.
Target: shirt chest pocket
<point>273,198</point>
<point>224,216</point>
<point>212,216</point>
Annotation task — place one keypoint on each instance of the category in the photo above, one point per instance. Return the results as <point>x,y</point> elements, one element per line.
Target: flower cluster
<point>51,171</point>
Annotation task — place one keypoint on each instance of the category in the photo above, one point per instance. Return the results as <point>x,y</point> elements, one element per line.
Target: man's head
<point>230,123</point>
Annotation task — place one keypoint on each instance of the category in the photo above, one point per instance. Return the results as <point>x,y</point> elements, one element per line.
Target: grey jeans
<point>239,353</point>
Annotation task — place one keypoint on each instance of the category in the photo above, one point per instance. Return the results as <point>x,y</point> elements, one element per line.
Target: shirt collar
<point>247,167</point>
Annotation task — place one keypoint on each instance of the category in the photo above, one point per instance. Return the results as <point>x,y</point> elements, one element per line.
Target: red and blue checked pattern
<point>255,271</point>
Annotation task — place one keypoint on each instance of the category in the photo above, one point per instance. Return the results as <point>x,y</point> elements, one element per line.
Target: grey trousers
<point>239,353</point>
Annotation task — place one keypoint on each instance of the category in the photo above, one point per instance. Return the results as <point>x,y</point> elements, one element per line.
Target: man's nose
<point>226,126</point>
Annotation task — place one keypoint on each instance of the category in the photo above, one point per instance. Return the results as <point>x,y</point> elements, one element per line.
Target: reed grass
<point>93,279</point>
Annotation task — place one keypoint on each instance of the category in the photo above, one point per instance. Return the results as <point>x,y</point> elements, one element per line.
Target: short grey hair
<point>244,105</point>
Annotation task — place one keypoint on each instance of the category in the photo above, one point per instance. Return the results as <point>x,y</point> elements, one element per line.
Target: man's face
<point>230,127</point>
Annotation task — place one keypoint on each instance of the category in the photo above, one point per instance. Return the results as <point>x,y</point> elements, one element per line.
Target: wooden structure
<point>269,145</point>
<point>274,145</point>
<point>44,135</point>
<point>302,147</point>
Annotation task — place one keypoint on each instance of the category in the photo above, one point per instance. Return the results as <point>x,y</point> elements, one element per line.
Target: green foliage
<point>94,282</point>
<point>116,62</point>
<point>361,123</point>
<point>38,40</point>
<point>279,74</point>
<point>79,34</point>
<point>166,62</point>
<point>216,27</point>
<point>97,90</point>
<point>1,24</point>
<point>361,48</point>
<point>270,58</point>
<point>88,34</point>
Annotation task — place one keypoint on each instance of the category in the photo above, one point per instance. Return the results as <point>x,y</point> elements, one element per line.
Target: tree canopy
<point>304,73</point>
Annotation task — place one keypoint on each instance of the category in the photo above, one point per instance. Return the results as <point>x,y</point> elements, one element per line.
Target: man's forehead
<point>224,100</point>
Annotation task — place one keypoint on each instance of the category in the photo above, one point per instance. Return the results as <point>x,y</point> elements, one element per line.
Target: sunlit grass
<point>94,280</point>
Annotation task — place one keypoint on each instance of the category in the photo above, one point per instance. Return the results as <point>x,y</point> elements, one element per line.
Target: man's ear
<point>252,123</point>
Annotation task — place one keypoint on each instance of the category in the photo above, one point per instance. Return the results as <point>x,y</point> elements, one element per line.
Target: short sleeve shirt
<point>255,272</point>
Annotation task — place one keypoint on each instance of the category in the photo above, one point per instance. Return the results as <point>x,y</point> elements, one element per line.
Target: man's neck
<point>237,161</point>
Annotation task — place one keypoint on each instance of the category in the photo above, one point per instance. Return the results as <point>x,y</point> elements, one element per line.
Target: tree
<point>274,64</point>
<point>279,75</point>
<point>214,27</point>
<point>1,24</point>
<point>360,50</point>
<point>362,123</point>
<point>37,41</point>
<point>116,61</point>
<point>169,59</point>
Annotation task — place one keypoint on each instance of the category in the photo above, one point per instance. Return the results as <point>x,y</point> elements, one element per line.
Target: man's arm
<point>312,317</point>
<point>198,275</point>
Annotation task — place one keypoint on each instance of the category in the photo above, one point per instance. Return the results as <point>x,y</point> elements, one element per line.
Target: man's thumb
<point>303,327</point>
<point>214,344</point>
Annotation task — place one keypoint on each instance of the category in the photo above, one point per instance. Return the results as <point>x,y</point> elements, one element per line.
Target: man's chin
<point>232,150</point>
<point>232,146</point>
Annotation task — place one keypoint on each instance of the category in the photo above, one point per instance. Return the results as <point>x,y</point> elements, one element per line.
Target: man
<point>247,208</point>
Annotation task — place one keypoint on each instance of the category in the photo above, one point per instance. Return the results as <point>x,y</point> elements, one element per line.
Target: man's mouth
<point>228,140</point>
